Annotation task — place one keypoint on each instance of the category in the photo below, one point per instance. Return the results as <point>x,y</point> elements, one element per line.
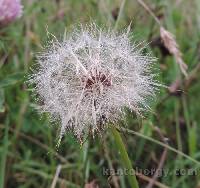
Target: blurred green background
<point>28,154</point>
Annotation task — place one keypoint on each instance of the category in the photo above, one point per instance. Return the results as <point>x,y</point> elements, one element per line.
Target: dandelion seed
<point>9,11</point>
<point>87,79</point>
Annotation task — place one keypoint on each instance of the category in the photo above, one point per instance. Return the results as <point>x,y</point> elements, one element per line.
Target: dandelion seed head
<point>88,78</point>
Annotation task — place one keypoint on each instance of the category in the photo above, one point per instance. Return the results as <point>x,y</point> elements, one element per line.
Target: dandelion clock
<point>87,79</point>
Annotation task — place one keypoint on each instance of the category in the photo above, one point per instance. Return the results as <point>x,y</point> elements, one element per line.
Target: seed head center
<point>96,79</point>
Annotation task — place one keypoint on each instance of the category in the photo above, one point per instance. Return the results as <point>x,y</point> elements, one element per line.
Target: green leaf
<point>12,79</point>
<point>193,140</point>
<point>3,154</point>
<point>2,100</point>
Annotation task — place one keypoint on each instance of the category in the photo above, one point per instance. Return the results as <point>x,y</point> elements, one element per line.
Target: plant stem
<point>120,14</point>
<point>125,158</point>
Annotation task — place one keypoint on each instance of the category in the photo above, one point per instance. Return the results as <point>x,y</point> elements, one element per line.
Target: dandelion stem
<point>125,158</point>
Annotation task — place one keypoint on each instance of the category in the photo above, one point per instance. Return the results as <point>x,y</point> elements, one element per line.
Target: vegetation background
<point>28,154</point>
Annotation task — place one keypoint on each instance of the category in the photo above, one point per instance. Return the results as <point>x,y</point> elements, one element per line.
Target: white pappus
<point>88,78</point>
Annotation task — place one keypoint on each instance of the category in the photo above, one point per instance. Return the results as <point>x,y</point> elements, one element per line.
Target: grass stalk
<point>4,153</point>
<point>125,158</point>
<point>120,14</point>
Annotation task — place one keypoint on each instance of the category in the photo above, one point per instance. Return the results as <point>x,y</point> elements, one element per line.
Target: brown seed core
<point>97,78</point>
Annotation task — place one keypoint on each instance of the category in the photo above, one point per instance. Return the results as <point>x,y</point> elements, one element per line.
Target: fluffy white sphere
<point>87,79</point>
